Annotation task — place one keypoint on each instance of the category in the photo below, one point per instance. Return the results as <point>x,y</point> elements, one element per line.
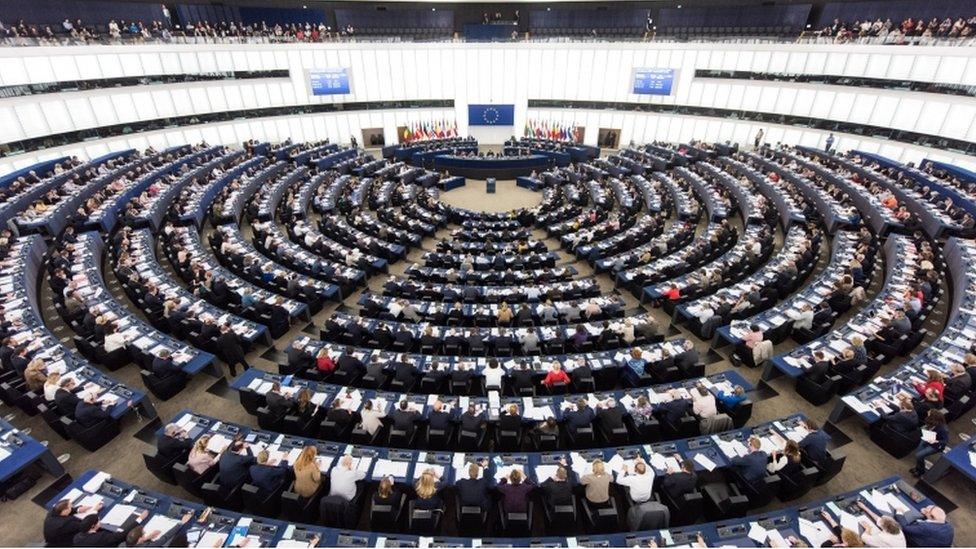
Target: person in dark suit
<point>509,419</point>
<point>152,300</point>
<point>846,366</point>
<point>558,489</point>
<point>209,331</point>
<point>522,377</point>
<point>474,491</point>
<point>610,415</point>
<point>404,371</point>
<point>403,338</point>
<point>818,370</point>
<point>348,366</point>
<point>673,410</point>
<point>751,466</point>
<point>814,444</point>
<point>462,374</point>
<point>958,384</point>
<point>339,415</point>
<point>233,464</point>
<point>279,314</point>
<point>905,420</point>
<point>454,339</point>
<point>92,535</point>
<point>438,419</point>
<point>686,359</point>
<point>173,443</point>
<point>220,291</point>
<point>61,524</point>
<point>65,398</point>
<point>298,359</point>
<point>383,336</point>
<point>428,339</point>
<point>472,421</point>
<point>375,375</point>
<point>278,403</point>
<point>89,412</point>
<point>579,418</point>
<point>404,419</point>
<point>679,482</point>
<point>20,360</point>
<point>163,366</point>
<point>231,349</point>
<point>265,476</point>
<point>435,375</point>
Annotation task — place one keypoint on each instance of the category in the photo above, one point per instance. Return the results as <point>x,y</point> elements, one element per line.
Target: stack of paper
<point>118,514</point>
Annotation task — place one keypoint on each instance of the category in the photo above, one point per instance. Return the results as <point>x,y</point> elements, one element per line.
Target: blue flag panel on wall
<point>491,115</point>
<point>329,81</point>
<point>653,81</point>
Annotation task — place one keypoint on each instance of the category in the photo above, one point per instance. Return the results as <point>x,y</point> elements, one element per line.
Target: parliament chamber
<point>639,274</point>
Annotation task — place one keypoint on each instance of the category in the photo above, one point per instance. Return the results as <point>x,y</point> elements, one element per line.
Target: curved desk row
<point>214,526</point>
<point>500,167</point>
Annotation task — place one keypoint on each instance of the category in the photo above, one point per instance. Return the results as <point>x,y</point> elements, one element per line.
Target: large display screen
<point>653,81</point>
<point>329,81</point>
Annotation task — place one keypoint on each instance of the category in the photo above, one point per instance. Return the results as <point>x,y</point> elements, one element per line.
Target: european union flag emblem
<point>491,115</point>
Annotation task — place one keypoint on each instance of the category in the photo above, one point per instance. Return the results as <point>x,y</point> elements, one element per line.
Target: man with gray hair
<point>343,479</point>
<point>173,443</point>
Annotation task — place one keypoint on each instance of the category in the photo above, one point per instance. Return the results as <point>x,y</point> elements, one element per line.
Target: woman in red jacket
<point>934,383</point>
<point>324,363</point>
<point>555,375</point>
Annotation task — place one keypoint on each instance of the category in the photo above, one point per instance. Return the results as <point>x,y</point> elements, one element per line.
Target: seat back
<point>583,437</point>
<point>268,420</point>
<point>797,486</point>
<point>423,520</point>
<point>385,517</point>
<point>250,400</point>
<point>189,480</point>
<point>470,520</point>
<point>509,440</point>
<point>260,502</point>
<point>815,393</point>
<point>161,468</point>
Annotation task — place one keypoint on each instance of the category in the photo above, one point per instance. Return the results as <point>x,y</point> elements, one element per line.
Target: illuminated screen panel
<point>329,81</point>
<point>653,81</point>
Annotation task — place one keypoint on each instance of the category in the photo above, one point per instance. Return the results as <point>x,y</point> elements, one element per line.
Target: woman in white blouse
<point>51,386</point>
<point>703,402</point>
<point>200,459</point>
<point>627,332</point>
<point>493,375</point>
<point>371,418</point>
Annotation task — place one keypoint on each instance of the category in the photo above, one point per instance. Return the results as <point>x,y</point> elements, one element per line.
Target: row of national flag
<point>433,129</point>
<point>545,129</point>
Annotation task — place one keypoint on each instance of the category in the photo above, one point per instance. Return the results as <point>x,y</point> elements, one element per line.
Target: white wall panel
<point>109,66</point>
<point>40,70</point>
<point>32,119</point>
<point>65,68</point>
<point>13,71</point>
<point>959,119</point>
<point>10,128</point>
<point>503,73</point>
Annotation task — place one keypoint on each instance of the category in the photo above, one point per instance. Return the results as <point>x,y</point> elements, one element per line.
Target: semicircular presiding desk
<point>500,167</point>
